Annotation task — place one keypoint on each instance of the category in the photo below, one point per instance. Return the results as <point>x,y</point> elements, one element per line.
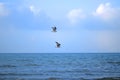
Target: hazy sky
<point>83,26</point>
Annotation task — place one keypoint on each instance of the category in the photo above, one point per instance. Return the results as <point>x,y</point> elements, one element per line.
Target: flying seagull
<point>54,29</point>
<point>58,45</point>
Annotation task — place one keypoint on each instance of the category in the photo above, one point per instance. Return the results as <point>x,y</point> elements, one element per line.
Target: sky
<point>83,26</point>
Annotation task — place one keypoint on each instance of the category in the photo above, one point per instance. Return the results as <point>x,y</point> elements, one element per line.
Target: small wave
<point>12,79</point>
<point>109,78</point>
<point>24,60</point>
<point>111,62</point>
<point>18,74</point>
<point>7,66</point>
<point>32,65</point>
<point>53,78</point>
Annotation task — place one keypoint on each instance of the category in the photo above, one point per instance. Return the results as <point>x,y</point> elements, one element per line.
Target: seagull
<point>58,45</point>
<point>54,29</point>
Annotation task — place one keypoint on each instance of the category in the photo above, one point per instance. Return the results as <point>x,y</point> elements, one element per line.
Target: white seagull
<point>54,29</point>
<point>58,45</point>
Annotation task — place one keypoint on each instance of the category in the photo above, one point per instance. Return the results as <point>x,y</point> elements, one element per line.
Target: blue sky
<point>83,26</point>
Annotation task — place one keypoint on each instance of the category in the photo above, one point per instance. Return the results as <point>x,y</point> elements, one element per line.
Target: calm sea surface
<point>62,66</point>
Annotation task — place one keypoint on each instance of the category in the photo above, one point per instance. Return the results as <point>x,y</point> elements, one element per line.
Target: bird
<point>54,29</point>
<point>57,44</point>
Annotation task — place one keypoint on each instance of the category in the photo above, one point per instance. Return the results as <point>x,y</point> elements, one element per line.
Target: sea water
<point>59,66</point>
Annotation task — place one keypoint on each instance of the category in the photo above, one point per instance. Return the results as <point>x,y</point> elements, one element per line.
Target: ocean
<point>59,66</point>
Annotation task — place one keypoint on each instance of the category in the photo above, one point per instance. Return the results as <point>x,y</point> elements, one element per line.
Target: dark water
<point>69,66</point>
